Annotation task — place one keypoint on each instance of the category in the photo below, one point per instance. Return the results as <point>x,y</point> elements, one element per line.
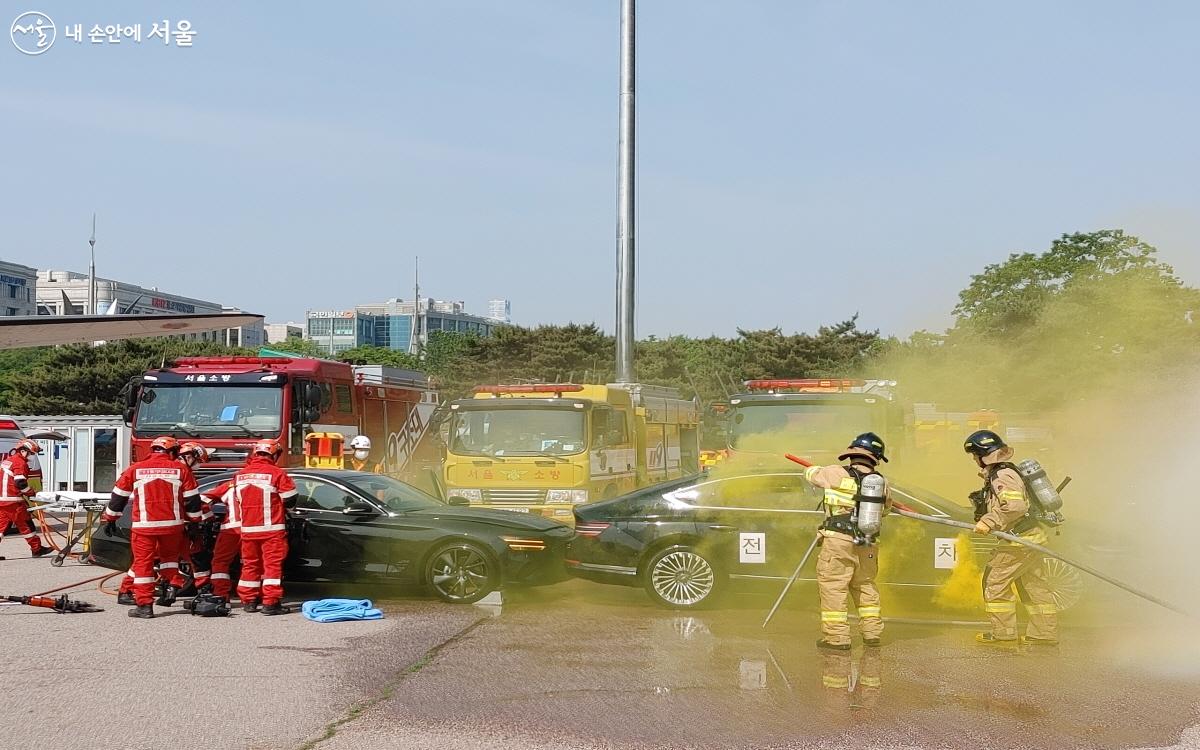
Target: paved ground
<point>573,666</point>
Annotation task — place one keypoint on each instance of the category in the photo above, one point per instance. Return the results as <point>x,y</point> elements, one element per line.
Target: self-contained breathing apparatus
<point>208,605</point>
<point>866,520</point>
<point>1045,502</point>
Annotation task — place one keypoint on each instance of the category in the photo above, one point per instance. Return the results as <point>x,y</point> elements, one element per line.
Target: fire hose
<point>1045,551</point>
<point>904,511</point>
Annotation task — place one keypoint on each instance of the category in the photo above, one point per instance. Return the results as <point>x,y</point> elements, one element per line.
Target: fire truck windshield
<point>209,411</point>
<point>815,424</point>
<point>517,432</point>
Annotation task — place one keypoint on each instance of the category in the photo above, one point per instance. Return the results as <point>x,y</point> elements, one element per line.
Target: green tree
<point>85,379</point>
<point>15,366</point>
<point>379,355</point>
<point>301,347</point>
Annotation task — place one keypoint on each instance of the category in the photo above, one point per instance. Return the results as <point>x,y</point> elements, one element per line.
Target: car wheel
<point>681,577</point>
<point>462,573</point>
<point>1065,582</point>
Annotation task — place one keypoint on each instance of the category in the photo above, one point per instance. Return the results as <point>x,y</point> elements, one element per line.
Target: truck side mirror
<point>312,396</point>
<point>312,414</point>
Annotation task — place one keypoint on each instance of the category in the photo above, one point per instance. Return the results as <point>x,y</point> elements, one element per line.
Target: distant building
<point>390,324</point>
<point>66,293</point>
<point>278,333</point>
<point>18,289</point>
<point>500,309</point>
<point>250,337</point>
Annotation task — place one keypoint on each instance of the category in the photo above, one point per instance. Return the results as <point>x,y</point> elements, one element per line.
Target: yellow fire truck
<point>544,448</point>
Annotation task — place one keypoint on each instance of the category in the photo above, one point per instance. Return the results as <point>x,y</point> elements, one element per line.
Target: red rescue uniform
<point>165,498</point>
<point>229,540</point>
<point>14,489</point>
<point>260,492</point>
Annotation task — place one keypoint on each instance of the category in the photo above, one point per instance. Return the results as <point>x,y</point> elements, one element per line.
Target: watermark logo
<point>33,32</point>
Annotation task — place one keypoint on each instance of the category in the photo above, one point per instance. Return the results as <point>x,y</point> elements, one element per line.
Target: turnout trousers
<point>227,548</point>
<point>845,570</point>
<point>17,513</point>
<point>262,568</point>
<point>146,549</point>
<point>1014,569</point>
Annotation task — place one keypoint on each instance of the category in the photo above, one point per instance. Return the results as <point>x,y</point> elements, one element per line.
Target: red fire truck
<point>227,403</point>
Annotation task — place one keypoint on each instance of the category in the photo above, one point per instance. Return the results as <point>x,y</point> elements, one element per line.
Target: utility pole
<point>416,325</point>
<point>93,303</point>
<point>625,198</point>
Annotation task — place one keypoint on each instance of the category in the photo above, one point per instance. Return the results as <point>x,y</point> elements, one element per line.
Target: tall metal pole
<point>93,303</point>
<point>625,199</point>
<point>416,325</point>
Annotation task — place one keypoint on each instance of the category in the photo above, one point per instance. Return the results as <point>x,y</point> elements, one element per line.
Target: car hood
<point>503,518</point>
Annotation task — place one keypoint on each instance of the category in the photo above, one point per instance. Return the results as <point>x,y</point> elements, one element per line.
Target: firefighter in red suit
<point>261,491</point>
<point>190,455</point>
<point>14,489</point>
<point>229,540</point>
<point>165,498</point>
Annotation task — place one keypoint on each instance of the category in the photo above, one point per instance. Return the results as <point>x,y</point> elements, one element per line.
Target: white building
<point>248,337</point>
<point>66,293</point>
<point>278,333</point>
<point>500,310</point>
<point>18,289</point>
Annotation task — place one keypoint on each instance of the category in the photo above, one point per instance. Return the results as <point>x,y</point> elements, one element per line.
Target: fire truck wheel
<point>462,572</point>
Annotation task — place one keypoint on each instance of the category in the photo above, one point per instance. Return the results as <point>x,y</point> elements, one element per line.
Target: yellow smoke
<point>962,591</point>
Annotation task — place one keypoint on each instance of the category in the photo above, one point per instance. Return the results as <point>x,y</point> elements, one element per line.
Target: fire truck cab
<point>227,403</point>
<point>544,448</point>
<point>813,417</point>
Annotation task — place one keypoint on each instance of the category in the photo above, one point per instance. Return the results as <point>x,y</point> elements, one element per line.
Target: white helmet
<point>360,443</point>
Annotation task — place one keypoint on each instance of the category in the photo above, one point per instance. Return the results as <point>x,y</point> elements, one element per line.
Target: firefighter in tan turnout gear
<point>856,496</point>
<point>1002,505</point>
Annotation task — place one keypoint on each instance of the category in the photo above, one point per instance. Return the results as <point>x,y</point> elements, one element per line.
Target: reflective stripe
<point>1001,607</point>
<point>1041,609</point>
<point>121,492</point>
<point>220,576</point>
<point>835,682</point>
<point>868,611</point>
<point>289,493</point>
<point>137,581</point>
<point>268,527</point>
<point>30,535</point>
<point>231,525</point>
<point>202,574</point>
<point>1012,495</point>
<point>832,616</point>
<point>191,493</point>
<point>129,572</point>
<point>156,524</point>
<point>168,566</point>
<point>248,584</point>
<point>271,581</point>
<point>870,681</point>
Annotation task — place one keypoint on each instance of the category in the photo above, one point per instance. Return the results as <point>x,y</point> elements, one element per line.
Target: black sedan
<point>368,528</point>
<point>687,540</point>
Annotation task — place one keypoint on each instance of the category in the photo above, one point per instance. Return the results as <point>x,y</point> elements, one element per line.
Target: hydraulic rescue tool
<point>60,604</point>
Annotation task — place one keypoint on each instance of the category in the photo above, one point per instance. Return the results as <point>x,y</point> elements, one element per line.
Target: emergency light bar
<point>559,388</point>
<point>198,361</point>
<point>802,385</point>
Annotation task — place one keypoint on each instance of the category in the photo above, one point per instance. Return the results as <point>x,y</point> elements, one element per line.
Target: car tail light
<point>521,544</point>
<point>591,528</point>
<point>8,424</point>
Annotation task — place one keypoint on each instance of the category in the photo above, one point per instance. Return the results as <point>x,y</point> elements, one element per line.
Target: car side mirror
<point>360,508</point>
<point>458,500</point>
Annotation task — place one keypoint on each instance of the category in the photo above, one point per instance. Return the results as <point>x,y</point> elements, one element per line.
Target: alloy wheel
<point>682,578</point>
<point>461,573</point>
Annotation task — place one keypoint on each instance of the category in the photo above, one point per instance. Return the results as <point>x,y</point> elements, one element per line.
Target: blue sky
<point>799,161</point>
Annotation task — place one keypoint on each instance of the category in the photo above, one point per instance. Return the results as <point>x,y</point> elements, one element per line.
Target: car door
<point>759,524</point>
<point>329,545</point>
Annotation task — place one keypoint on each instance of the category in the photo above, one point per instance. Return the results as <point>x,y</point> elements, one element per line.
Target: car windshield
<point>209,411</point>
<point>393,494</point>
<point>517,432</point>
<point>809,424</point>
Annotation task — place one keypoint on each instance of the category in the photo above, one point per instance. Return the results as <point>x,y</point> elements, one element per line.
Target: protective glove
<point>982,528</point>
<point>110,528</point>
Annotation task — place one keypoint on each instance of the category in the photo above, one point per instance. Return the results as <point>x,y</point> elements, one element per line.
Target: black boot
<point>822,643</point>
<point>168,596</point>
<point>125,598</point>
<point>276,609</point>
<point>41,551</point>
<point>250,606</point>
<point>142,611</point>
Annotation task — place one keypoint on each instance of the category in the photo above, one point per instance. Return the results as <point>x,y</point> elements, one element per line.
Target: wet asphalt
<point>576,665</point>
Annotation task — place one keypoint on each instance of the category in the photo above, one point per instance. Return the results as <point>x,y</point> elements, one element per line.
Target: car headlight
<point>474,496</point>
<point>567,496</point>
